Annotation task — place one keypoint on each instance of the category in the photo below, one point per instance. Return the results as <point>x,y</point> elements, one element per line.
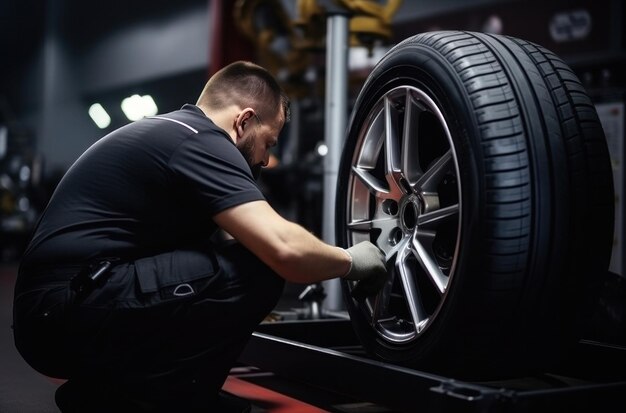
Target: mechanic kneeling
<point>124,290</point>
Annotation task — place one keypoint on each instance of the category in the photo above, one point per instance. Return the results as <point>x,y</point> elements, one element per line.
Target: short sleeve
<point>212,166</point>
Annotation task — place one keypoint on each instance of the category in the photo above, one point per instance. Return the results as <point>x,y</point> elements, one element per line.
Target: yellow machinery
<point>284,45</point>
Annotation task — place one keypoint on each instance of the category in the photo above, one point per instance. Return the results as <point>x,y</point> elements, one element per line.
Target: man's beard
<point>247,150</point>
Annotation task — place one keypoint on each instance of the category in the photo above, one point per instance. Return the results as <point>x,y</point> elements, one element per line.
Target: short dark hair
<point>248,85</point>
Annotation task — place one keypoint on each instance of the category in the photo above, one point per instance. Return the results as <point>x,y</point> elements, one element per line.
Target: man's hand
<point>367,261</point>
<point>368,268</point>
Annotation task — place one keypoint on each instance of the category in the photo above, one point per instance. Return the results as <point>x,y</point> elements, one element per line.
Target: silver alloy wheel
<point>405,195</point>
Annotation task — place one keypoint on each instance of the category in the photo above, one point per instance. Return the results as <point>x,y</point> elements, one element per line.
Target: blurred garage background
<point>70,68</point>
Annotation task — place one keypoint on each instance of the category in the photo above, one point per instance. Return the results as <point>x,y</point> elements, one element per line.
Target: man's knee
<point>40,317</point>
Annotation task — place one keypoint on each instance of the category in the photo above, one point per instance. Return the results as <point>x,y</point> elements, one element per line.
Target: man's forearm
<point>289,249</point>
<point>306,259</point>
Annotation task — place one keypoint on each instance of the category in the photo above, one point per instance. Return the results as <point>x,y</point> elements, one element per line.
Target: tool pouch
<point>174,276</point>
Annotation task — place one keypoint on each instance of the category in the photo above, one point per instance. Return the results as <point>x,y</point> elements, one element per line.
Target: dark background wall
<point>57,57</point>
<point>73,54</point>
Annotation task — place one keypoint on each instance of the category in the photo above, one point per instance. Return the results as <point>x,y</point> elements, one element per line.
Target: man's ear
<point>242,119</point>
<point>239,124</point>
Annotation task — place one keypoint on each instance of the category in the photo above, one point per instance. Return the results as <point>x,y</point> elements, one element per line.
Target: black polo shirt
<point>148,187</point>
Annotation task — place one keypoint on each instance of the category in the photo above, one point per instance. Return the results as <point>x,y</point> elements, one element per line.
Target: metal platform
<point>325,353</point>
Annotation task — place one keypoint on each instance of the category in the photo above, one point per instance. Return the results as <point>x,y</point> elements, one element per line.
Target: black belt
<point>82,279</point>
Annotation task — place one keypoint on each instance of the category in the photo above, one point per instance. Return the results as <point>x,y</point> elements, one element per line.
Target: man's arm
<point>286,247</point>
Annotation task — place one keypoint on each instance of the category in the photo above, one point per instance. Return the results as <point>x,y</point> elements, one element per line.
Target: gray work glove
<point>368,268</point>
<point>367,261</point>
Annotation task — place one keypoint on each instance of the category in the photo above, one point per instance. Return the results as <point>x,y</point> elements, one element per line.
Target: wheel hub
<point>410,209</point>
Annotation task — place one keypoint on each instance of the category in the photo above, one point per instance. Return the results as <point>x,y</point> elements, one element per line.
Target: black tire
<point>494,258</point>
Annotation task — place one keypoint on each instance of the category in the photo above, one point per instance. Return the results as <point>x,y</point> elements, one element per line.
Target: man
<point>124,291</point>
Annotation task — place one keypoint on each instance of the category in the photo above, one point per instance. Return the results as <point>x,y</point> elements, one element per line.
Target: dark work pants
<point>164,330</point>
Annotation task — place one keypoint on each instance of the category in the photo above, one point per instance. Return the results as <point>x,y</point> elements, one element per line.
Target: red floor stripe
<point>279,403</point>
<point>56,381</point>
<point>265,397</point>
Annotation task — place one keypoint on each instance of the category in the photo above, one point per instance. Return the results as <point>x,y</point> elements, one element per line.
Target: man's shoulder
<point>193,118</point>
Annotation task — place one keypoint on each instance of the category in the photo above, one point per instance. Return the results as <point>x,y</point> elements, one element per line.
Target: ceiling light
<point>136,107</point>
<point>322,149</point>
<point>99,115</point>
<point>149,106</point>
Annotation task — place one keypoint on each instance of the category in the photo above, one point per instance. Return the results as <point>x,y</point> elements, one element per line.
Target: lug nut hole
<point>390,207</point>
<point>395,236</point>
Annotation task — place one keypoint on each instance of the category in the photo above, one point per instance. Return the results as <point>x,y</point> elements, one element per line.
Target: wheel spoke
<point>372,143</point>
<point>392,148</point>
<point>364,225</point>
<point>410,148</point>
<point>422,245</point>
<point>381,302</point>
<point>373,184</point>
<point>409,286</point>
<point>434,175</point>
<point>431,220</point>
<point>385,224</point>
